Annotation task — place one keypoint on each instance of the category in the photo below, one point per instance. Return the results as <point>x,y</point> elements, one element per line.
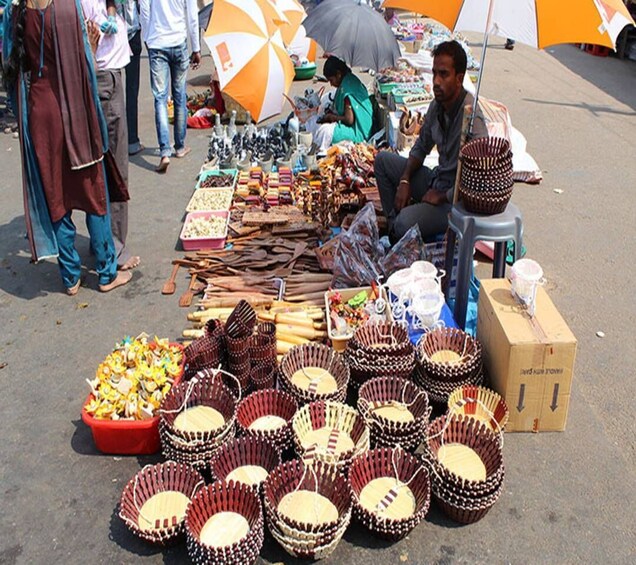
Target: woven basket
<point>248,460</point>
<point>224,524</point>
<point>263,376</point>
<point>396,412</point>
<point>294,524</point>
<point>481,403</point>
<point>485,444</point>
<point>268,414</point>
<point>153,503</point>
<point>449,354</point>
<point>330,432</point>
<point>240,323</point>
<point>485,152</point>
<point>392,518</point>
<point>314,355</point>
<point>478,204</point>
<point>207,391</point>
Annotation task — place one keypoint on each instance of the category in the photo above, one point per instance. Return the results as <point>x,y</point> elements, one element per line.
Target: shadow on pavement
<point>607,73</point>
<point>19,277</point>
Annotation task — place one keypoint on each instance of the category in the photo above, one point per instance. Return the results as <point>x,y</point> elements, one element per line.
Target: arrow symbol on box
<point>555,394</point>
<point>522,392</point>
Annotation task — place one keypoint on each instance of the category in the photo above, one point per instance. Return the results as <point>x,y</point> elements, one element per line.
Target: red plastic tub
<point>197,243</point>
<point>126,437</point>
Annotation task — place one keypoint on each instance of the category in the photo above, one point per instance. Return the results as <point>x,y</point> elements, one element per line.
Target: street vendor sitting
<point>351,116</point>
<point>410,192</point>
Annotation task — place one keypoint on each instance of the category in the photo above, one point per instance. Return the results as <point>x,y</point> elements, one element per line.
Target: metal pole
<point>491,5</point>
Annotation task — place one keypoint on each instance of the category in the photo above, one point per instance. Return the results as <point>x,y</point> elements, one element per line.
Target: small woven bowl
<point>329,422</point>
<point>268,414</point>
<point>319,478</point>
<point>384,520</point>
<point>404,394</point>
<point>247,460</point>
<point>388,338</point>
<point>154,501</point>
<point>481,403</point>
<point>314,355</point>
<point>223,511</point>
<point>448,354</point>
<point>470,433</point>
<point>208,390</point>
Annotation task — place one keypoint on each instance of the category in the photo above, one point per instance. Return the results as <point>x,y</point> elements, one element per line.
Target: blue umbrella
<point>354,32</point>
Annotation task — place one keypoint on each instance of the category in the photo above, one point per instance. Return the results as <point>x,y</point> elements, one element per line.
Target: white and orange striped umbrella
<point>302,46</point>
<point>295,14</point>
<point>250,58</point>
<point>539,23</point>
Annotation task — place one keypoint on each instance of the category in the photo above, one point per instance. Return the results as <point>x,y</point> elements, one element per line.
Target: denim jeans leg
<point>68,259</point>
<point>179,71</point>
<point>102,243</point>
<point>159,78</point>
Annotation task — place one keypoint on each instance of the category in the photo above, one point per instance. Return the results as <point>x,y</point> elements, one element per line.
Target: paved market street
<point>568,497</point>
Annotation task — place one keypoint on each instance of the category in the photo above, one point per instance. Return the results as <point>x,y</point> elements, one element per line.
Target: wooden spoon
<point>170,286</point>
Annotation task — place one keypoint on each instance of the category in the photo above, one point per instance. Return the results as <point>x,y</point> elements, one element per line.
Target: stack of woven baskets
<point>224,524</point>
<point>391,491</point>
<point>380,350</point>
<point>466,464</point>
<point>307,508</point>
<point>313,371</point>
<point>486,175</point>
<point>396,411</point>
<point>196,418</point>
<point>153,503</point>
<point>447,358</point>
<point>268,414</point>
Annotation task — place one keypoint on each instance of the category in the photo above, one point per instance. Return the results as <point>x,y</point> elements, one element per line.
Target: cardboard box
<point>530,360</point>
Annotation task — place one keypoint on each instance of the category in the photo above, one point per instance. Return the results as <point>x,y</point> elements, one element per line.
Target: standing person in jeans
<point>166,27</point>
<point>111,56</point>
<point>130,11</point>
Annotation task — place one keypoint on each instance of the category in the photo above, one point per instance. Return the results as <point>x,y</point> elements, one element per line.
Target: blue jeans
<point>168,68</point>
<point>102,245</point>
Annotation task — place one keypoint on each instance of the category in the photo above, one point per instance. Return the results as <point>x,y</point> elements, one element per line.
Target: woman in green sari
<point>351,116</point>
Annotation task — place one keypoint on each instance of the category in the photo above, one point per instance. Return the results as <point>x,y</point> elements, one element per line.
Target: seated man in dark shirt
<point>411,193</point>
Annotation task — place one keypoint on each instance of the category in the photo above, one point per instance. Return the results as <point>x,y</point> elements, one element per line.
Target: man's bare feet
<point>121,279</point>
<point>72,291</point>
<point>162,167</point>
<point>181,153</point>
<point>132,263</point>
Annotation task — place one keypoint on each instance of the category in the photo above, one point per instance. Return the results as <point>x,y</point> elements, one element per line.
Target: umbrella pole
<point>481,66</point>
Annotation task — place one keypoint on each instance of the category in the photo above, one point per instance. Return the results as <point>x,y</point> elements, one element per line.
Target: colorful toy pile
<point>133,380</point>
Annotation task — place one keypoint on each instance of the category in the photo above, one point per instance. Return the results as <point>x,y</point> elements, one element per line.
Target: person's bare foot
<point>132,263</point>
<point>162,167</point>
<point>72,290</point>
<point>121,279</point>
<point>181,153</point>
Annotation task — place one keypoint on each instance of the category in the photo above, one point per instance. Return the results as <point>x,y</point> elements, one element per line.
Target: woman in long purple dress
<point>62,139</point>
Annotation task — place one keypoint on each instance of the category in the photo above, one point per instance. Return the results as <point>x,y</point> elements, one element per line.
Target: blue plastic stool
<point>469,228</point>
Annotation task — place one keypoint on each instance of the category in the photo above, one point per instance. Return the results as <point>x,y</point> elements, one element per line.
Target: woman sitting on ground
<point>351,116</point>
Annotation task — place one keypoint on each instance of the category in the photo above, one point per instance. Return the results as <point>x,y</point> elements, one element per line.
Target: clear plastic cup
<point>525,276</point>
